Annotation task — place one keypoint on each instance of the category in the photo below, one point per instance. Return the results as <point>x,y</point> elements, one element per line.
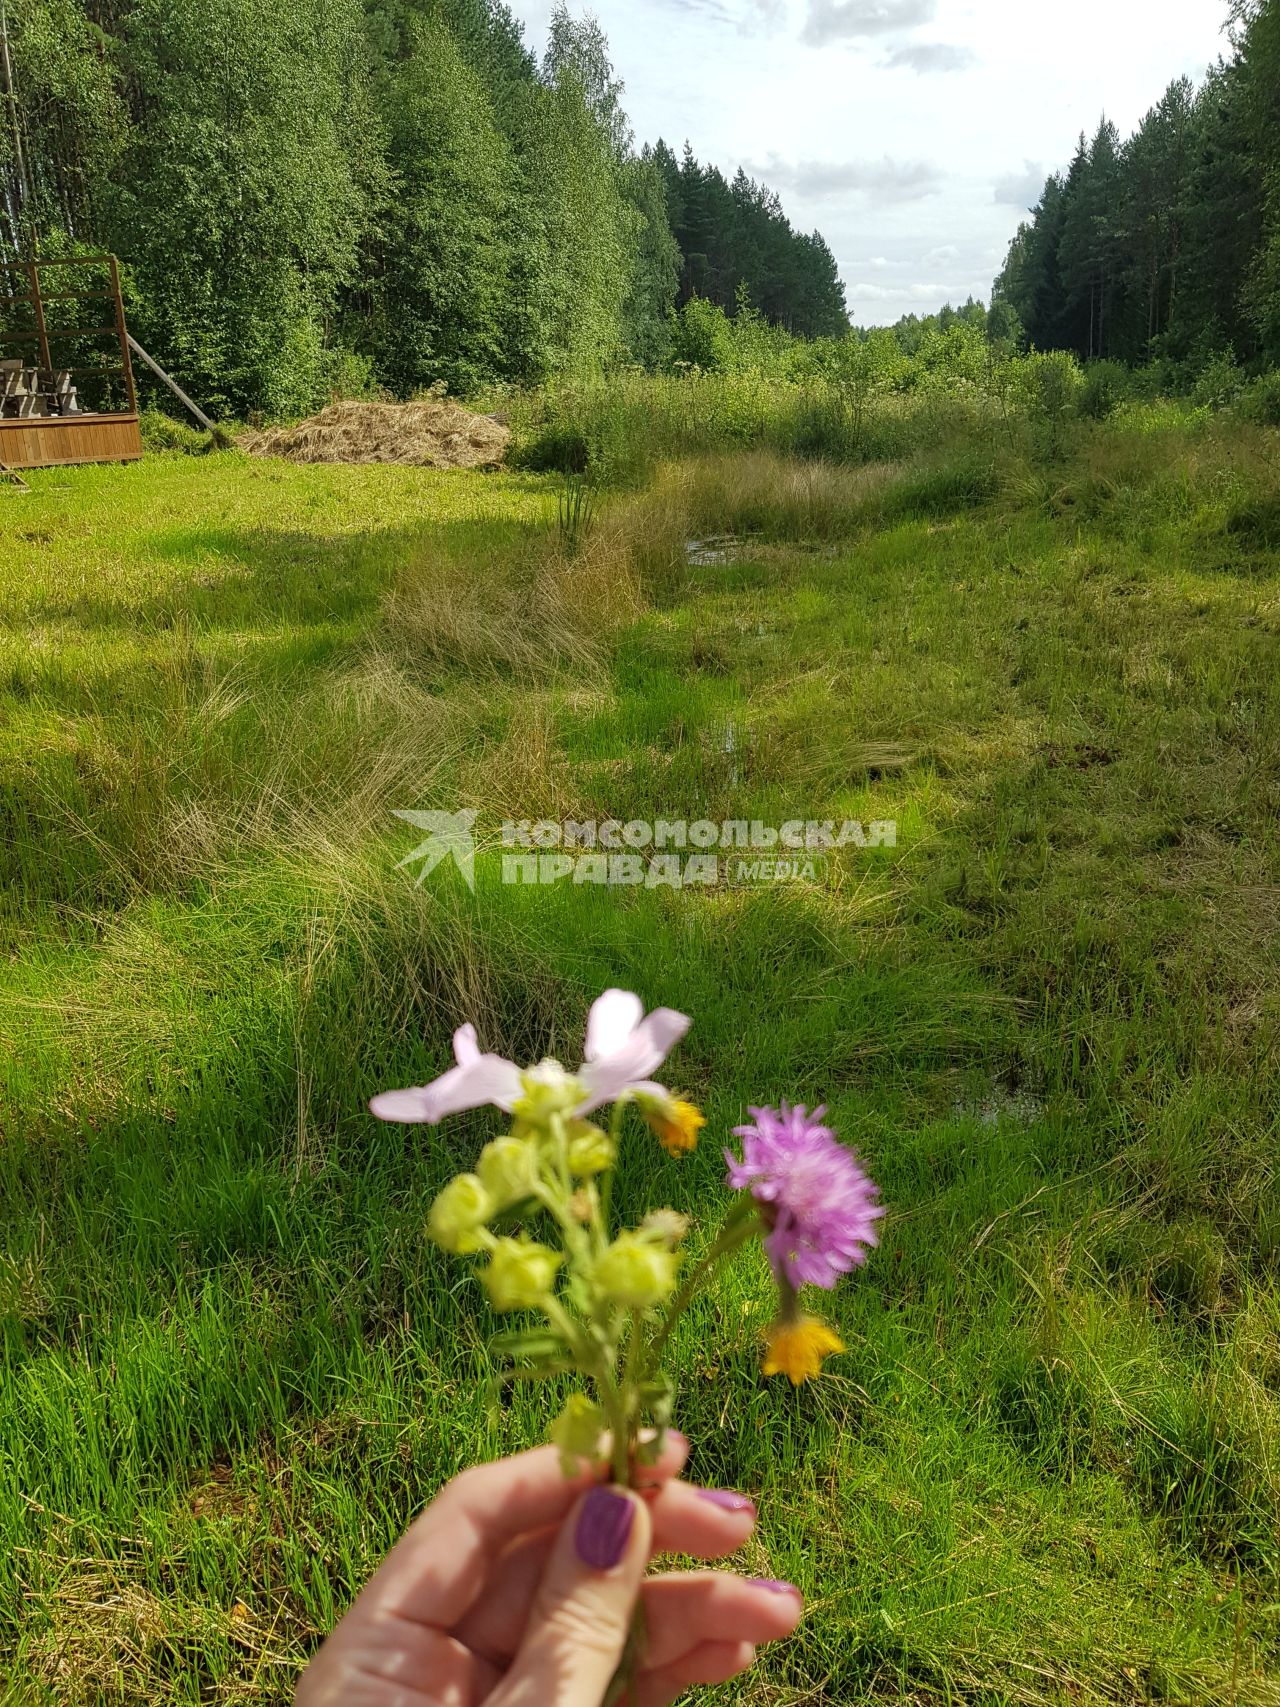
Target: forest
<point>345,196</point>
<point>338,194</point>
<point>1165,246</point>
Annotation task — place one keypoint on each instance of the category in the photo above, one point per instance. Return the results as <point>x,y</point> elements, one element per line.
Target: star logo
<point>450,835</point>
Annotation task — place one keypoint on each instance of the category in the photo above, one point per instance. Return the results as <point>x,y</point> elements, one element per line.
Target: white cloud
<point>849,20</point>
<point>895,300</point>
<point>924,56</point>
<point>879,181</point>
<point>1021,189</point>
<point>737,79</point>
<point>955,294</point>
<point>760,14</point>
<point>715,9</point>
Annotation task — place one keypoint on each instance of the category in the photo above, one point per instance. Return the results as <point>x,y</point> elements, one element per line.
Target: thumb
<point>581,1618</point>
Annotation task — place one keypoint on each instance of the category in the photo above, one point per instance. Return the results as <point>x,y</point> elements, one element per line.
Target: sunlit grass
<point>1046,1470</point>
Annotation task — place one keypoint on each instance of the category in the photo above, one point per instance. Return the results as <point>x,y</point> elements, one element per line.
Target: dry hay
<point>436,433</point>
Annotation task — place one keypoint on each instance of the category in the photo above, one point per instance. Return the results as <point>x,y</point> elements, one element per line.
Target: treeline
<point>355,192</point>
<point>737,244</point>
<point>1165,245</point>
<point>913,332</point>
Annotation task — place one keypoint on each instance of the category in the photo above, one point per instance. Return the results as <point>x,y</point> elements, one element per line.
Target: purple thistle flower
<point>819,1206</point>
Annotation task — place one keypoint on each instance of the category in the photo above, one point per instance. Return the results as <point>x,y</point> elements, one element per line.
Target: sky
<point>914,134</point>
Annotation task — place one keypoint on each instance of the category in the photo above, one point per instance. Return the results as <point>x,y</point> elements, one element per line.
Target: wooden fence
<point>55,406</point>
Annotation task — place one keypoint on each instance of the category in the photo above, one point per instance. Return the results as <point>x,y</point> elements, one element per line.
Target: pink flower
<point>819,1206</point>
<point>623,1046</point>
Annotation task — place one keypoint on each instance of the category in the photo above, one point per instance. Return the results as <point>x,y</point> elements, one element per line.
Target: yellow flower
<point>796,1349</point>
<point>676,1123</point>
<point>635,1271</point>
<point>457,1217</point>
<point>519,1274</point>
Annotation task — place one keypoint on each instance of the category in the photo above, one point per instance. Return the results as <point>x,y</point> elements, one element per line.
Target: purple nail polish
<point>773,1586</point>
<point>726,1499</point>
<point>604,1528</point>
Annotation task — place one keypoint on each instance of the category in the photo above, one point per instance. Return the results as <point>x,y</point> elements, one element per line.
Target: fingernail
<point>604,1528</point>
<point>774,1586</point>
<point>726,1499</point>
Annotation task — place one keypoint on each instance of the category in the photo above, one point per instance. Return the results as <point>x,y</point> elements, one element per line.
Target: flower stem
<point>562,1154</point>
<point>614,1406</point>
<point>560,1318</point>
<point>572,1236</point>
<point>635,1360</point>
<point>741,1224</point>
<point>606,1184</point>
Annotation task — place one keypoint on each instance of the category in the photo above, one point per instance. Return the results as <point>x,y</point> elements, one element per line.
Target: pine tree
<point>1080,309</point>
<point>1258,45</point>
<point>1223,225</point>
<point>1170,244</point>
<point>1157,167</point>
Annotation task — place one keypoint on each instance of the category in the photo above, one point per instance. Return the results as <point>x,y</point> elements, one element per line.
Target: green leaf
<point>532,1344</point>
<point>657,1400</point>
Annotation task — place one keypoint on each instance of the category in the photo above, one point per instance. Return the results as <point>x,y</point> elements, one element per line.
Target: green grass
<point>1046,1471</point>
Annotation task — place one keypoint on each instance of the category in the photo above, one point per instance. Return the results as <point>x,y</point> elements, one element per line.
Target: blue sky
<point>912,133</point>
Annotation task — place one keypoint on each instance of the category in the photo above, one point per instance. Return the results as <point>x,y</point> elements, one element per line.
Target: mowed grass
<point>1046,1470</point>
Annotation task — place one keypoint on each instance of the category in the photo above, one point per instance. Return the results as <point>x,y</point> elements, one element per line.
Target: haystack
<point>436,433</point>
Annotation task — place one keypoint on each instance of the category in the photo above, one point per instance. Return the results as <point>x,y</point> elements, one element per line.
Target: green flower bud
<point>507,1170</point>
<point>459,1213</point>
<point>591,1150</point>
<point>577,1431</point>
<point>635,1271</point>
<point>520,1274</point>
<point>547,1091</point>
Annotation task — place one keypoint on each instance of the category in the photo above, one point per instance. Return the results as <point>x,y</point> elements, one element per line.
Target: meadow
<point>1047,1469</point>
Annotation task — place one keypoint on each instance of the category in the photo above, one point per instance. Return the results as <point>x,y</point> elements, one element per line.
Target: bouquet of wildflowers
<point>536,1215</point>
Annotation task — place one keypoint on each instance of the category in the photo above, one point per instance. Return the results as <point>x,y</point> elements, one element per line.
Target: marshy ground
<point>1046,1471</point>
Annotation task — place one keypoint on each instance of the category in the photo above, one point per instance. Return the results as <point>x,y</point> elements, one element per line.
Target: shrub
<point>350,374</point>
<point>702,337</point>
<point>1106,385</point>
<point>1260,400</point>
<point>1049,386</point>
<point>1220,381</point>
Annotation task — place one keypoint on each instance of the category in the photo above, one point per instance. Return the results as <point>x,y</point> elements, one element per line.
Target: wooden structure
<point>49,415</point>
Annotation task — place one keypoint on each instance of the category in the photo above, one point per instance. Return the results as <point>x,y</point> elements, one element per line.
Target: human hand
<point>517,1587</point>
